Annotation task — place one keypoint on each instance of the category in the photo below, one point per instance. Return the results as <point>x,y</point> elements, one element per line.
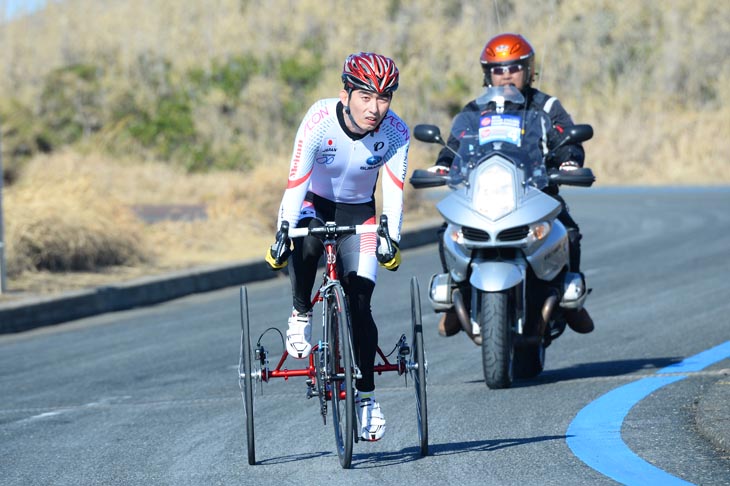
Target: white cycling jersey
<point>331,164</point>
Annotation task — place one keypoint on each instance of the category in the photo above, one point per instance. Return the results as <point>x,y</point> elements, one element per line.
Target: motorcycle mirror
<point>581,133</point>
<point>428,134</point>
<point>576,134</point>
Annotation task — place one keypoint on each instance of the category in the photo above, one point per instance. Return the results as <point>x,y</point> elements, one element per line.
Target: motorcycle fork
<point>521,305</point>
<point>518,297</point>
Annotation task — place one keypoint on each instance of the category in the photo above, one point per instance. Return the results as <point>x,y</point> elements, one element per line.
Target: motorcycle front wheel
<point>495,318</point>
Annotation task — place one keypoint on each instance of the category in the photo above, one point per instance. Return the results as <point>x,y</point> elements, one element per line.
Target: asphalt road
<point>150,395</point>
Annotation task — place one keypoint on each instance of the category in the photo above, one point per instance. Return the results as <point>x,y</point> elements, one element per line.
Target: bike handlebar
<point>331,230</point>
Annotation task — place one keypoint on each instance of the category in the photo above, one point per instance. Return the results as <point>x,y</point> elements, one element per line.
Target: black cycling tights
<point>359,290</point>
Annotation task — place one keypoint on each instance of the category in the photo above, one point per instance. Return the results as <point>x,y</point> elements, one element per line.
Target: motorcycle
<point>506,253</point>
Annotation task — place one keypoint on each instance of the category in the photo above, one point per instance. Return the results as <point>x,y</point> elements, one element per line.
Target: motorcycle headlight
<point>494,192</point>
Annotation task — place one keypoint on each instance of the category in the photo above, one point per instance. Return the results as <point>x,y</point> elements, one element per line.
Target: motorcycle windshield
<point>501,125</point>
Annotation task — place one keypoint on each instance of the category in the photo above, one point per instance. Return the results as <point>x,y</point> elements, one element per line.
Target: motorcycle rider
<point>340,148</point>
<point>510,59</point>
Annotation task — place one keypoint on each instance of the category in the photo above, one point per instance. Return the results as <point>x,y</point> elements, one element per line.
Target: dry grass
<point>68,223</point>
<point>74,213</point>
<point>80,206</point>
<point>652,80</point>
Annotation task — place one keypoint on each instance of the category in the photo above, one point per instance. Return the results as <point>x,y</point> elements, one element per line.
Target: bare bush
<point>61,222</point>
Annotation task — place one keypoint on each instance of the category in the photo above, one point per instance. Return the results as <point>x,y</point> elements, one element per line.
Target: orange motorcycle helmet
<point>505,50</point>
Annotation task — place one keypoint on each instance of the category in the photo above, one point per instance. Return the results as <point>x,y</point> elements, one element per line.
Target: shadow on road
<point>604,369</point>
<point>600,369</point>
<point>293,458</point>
<point>385,459</point>
<point>409,454</point>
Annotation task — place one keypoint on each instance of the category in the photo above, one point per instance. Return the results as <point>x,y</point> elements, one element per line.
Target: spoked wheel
<point>245,378</point>
<point>320,371</point>
<point>419,367</point>
<point>341,373</point>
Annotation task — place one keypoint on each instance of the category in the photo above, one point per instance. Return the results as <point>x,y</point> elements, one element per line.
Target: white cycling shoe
<point>371,418</point>
<point>299,335</point>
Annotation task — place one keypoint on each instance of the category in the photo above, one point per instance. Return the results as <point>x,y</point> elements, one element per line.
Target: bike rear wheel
<point>341,373</point>
<point>419,369</point>
<point>245,378</point>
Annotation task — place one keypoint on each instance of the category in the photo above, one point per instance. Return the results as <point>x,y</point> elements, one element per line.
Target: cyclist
<point>340,148</point>
<point>510,59</point>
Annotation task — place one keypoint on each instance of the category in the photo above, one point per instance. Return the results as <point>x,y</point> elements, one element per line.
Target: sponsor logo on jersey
<point>297,160</point>
<point>327,152</point>
<point>315,119</point>
<point>405,166</point>
<point>325,159</point>
<point>399,126</point>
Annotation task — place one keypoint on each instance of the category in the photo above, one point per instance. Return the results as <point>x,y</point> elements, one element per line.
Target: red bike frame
<point>330,275</point>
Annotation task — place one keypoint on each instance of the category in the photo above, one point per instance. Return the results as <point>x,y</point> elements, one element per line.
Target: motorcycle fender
<point>457,208</point>
<point>457,259</point>
<point>550,257</point>
<point>495,276</point>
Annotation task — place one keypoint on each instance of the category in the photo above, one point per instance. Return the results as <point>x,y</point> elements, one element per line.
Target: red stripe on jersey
<point>369,241</point>
<point>394,178</point>
<point>301,180</point>
<point>368,244</point>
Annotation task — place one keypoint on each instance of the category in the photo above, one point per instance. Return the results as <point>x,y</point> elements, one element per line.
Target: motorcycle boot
<point>449,324</point>
<point>579,320</point>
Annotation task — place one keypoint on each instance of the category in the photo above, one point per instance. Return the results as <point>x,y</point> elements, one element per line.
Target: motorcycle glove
<point>569,165</point>
<point>438,170</point>
<point>277,256</point>
<point>389,261</point>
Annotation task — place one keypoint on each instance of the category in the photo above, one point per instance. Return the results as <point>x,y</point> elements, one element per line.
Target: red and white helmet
<point>370,72</point>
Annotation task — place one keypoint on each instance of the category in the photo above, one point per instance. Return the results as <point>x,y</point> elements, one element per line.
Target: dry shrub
<point>241,213</point>
<point>74,212</point>
<point>63,222</point>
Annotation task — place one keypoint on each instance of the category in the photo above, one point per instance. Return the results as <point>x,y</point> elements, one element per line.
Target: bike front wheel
<point>419,367</point>
<point>245,376</point>
<point>341,372</point>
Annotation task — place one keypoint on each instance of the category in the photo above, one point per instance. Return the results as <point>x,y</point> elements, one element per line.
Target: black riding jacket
<point>536,100</point>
